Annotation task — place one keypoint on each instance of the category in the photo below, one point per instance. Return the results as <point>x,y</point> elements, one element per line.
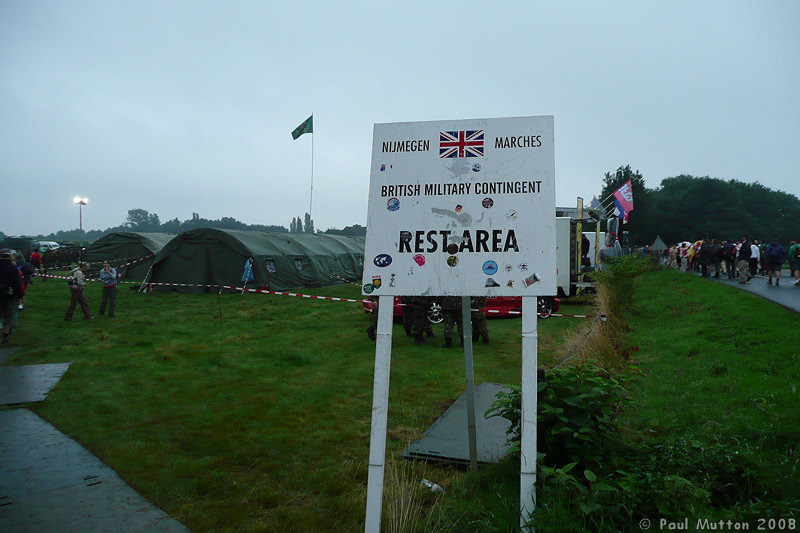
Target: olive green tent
<point>122,248</point>
<point>658,245</point>
<point>281,261</point>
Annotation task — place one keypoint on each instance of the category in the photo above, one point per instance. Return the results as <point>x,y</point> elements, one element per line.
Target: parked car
<point>498,306</point>
<point>43,246</point>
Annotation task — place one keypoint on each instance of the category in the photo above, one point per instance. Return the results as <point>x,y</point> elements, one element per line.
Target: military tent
<point>131,253</point>
<point>281,261</point>
<point>658,244</point>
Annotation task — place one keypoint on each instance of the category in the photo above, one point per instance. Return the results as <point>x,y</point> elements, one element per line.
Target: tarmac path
<point>786,294</point>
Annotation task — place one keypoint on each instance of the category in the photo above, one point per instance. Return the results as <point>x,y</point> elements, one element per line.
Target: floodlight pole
<point>530,368</point>
<point>466,320</point>
<point>380,409</point>
<point>80,202</point>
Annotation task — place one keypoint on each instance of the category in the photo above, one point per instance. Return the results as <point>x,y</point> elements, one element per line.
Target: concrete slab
<point>29,383</point>
<point>447,439</point>
<point>50,483</point>
<point>6,353</point>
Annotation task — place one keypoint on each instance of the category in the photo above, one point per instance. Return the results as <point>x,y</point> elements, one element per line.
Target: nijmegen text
<point>406,146</point>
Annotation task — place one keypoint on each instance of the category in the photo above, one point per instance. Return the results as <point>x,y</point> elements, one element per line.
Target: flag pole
<point>311,199</point>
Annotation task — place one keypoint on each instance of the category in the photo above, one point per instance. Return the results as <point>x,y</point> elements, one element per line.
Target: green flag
<point>306,127</point>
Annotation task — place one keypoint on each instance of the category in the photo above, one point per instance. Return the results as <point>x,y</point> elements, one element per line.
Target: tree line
<point>681,208</point>
<point>688,208</point>
<point>141,220</point>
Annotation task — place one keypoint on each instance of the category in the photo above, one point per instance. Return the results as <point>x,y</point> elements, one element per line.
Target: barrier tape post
<point>146,277</point>
<point>219,300</point>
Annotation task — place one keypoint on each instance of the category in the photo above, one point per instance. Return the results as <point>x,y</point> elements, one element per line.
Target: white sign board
<point>462,208</point>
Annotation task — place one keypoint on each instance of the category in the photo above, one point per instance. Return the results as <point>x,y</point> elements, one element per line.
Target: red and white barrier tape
<point>137,260</point>
<point>132,261</point>
<point>312,297</point>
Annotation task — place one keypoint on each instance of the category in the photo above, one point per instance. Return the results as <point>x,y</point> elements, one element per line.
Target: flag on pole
<point>623,201</point>
<point>595,203</point>
<point>306,127</point>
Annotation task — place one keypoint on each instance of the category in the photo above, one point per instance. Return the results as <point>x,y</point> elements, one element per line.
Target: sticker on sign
<point>474,193</point>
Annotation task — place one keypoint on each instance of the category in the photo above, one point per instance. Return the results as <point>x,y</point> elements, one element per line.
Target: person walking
<point>451,308</point>
<point>373,328</point>
<point>794,261</point>
<point>671,257</point>
<point>419,319</point>
<point>480,328</point>
<point>743,263</point>
<point>36,261</point>
<point>10,292</point>
<point>683,257</point>
<point>25,271</point>
<point>729,255</point>
<point>755,256</point>
<point>774,256</point>
<point>77,282</point>
<point>108,277</point>
<point>715,257</point>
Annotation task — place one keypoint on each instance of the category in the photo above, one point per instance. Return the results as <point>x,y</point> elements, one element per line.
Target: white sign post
<point>460,208</point>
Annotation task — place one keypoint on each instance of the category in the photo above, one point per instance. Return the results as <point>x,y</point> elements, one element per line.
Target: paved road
<point>786,294</point>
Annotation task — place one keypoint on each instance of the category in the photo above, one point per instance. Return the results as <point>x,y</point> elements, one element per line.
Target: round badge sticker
<point>382,260</point>
<point>476,167</point>
<point>419,259</point>
<point>368,288</point>
<point>452,261</point>
<point>452,249</point>
<point>393,204</point>
<point>487,203</point>
<point>490,268</point>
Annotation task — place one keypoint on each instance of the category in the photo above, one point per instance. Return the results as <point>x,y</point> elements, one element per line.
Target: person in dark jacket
<point>715,257</point>
<point>26,271</point>
<point>10,291</point>
<point>729,255</point>
<point>743,260</point>
<point>775,255</point>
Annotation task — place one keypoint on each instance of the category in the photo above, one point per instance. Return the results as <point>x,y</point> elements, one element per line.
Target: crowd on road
<point>740,259</point>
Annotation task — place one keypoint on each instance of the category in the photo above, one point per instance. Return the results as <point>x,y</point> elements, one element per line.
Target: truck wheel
<point>435,315</point>
<point>545,306</point>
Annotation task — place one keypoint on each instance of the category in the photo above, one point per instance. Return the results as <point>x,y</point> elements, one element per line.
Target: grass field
<point>260,420</point>
<point>711,430</point>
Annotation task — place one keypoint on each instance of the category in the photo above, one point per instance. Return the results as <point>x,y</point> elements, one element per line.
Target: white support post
<point>380,409</point>
<point>530,366</point>
<point>466,317</point>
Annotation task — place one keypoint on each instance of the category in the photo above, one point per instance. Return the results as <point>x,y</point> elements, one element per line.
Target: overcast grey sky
<point>179,107</point>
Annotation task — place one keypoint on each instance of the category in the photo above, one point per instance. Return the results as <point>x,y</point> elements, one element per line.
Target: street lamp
<point>80,202</point>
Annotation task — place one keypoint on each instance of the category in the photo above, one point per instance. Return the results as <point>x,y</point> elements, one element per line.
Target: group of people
<point>77,282</point>
<point>742,259</point>
<point>417,325</point>
<point>16,276</point>
<point>12,292</point>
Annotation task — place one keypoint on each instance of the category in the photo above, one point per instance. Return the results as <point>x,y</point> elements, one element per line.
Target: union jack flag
<point>461,143</point>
